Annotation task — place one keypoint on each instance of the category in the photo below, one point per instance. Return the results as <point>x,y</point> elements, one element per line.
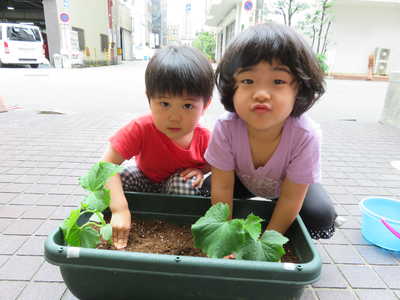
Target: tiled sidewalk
<point>42,157</point>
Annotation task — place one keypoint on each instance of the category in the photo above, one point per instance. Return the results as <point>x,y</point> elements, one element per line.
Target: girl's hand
<point>121,225</point>
<point>196,173</point>
<point>230,256</point>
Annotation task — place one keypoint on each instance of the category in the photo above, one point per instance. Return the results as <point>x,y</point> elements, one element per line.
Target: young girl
<point>267,78</point>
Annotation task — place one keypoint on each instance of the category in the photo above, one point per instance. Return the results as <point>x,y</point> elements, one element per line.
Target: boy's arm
<point>121,216</point>
<point>288,205</point>
<point>222,183</point>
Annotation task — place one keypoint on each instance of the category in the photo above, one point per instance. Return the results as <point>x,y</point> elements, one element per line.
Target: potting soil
<point>160,237</point>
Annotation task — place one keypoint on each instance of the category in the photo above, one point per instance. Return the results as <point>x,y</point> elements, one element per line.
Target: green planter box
<point>106,274</point>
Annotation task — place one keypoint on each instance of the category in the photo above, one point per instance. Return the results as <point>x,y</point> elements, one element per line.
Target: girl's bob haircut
<point>268,42</point>
<point>178,71</point>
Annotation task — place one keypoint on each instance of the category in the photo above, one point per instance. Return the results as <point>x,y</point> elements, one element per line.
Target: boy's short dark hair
<point>176,70</point>
<point>267,42</point>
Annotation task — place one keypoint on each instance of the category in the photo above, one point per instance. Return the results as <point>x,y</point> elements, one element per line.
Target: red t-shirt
<point>156,155</point>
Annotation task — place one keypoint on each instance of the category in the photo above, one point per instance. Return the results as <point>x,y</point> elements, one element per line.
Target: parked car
<point>21,44</point>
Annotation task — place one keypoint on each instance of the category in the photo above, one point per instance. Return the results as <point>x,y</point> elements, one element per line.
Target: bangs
<point>176,74</point>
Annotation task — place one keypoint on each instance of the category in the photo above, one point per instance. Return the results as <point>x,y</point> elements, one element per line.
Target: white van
<point>22,45</point>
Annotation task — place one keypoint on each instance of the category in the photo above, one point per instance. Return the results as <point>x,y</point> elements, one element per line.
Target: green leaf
<point>69,227</point>
<point>268,248</point>
<point>216,236</point>
<point>98,200</point>
<point>98,175</point>
<point>106,232</point>
<point>252,225</point>
<point>272,243</point>
<point>89,237</point>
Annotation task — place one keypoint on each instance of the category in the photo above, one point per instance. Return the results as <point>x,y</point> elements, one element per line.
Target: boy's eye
<point>247,81</point>
<point>279,81</point>
<point>164,104</point>
<point>188,106</point>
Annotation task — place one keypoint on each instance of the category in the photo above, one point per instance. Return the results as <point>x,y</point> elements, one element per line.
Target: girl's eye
<point>279,81</point>
<point>247,81</point>
<point>188,106</point>
<point>164,104</point>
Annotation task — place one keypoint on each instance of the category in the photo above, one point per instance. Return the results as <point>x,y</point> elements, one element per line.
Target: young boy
<point>168,144</point>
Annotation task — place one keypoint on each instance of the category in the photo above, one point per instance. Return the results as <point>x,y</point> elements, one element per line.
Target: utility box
<point>391,109</point>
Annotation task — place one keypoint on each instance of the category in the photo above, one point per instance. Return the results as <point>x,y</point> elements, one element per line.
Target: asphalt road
<point>121,89</point>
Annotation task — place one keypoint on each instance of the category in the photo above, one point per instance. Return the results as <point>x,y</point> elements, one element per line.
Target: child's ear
<point>207,103</point>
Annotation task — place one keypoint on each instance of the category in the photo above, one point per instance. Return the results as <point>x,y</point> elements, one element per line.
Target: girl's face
<point>177,116</point>
<point>265,95</point>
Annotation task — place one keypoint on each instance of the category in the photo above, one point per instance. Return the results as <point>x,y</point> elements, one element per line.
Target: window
<point>16,33</point>
<point>230,32</point>
<point>81,37</point>
<point>103,42</point>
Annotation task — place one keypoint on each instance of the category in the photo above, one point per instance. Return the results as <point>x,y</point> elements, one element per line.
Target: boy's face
<point>265,95</point>
<point>177,116</point>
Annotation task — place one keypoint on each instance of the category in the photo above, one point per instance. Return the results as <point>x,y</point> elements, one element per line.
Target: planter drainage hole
<point>177,259</point>
<point>299,267</point>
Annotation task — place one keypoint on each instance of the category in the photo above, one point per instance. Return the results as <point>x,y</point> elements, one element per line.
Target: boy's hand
<point>121,225</point>
<point>192,172</point>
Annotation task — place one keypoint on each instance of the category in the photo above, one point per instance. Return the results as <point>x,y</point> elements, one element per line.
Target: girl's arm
<point>121,216</point>
<point>288,205</point>
<point>222,183</point>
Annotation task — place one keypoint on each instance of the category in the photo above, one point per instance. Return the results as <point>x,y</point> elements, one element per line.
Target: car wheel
<point>1,64</point>
<point>34,66</point>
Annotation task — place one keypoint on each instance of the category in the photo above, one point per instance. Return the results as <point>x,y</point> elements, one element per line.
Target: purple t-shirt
<point>297,156</point>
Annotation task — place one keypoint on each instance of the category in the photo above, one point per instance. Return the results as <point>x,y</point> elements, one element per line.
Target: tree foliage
<point>205,42</point>
<point>288,9</point>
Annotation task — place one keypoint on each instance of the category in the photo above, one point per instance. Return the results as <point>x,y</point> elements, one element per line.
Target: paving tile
<point>352,209</point>
<point>40,188</point>
<point>48,273</point>
<point>355,237</point>
<point>38,212</point>
<point>48,227</point>
<point>49,200</point>
<point>7,197</point>
<point>73,201</point>
<point>12,211</point>
<point>325,259</point>
<point>390,274</point>
<point>61,213</point>
<point>352,222</point>
<point>23,227</point>
<point>3,259</point>
<point>4,223</point>
<point>335,294</point>
<point>370,294</point>
<point>50,179</point>
<point>8,177</point>
<point>11,289</point>
<point>10,243</point>
<point>33,246</point>
<point>68,296</point>
<point>43,291</point>
<point>20,268</point>
<point>338,238</point>
<point>27,179</point>
<point>330,278</point>
<point>308,295</point>
<point>343,254</point>
<point>376,256</point>
<point>15,187</point>
<point>26,199</point>
<point>361,276</point>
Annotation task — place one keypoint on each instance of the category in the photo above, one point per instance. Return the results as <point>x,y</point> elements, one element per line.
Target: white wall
<point>358,29</point>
